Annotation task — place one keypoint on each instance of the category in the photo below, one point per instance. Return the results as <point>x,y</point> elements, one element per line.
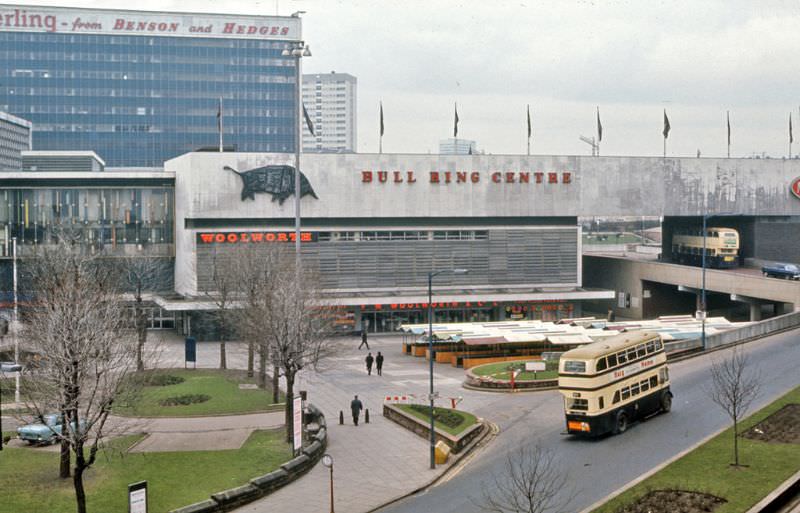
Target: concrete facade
<point>638,284</point>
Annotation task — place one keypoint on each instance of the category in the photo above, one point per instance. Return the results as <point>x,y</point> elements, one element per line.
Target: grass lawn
<point>500,370</point>
<point>467,419</point>
<point>707,469</point>
<point>221,386</point>
<point>29,478</point>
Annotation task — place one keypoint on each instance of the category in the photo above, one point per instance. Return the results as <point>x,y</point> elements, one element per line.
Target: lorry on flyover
<point>786,271</point>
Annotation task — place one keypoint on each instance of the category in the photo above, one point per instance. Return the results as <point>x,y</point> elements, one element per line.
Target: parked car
<point>43,432</point>
<point>786,271</point>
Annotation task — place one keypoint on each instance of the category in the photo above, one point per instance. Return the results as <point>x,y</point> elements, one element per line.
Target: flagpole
<point>380,132</point>
<point>220,124</point>
<point>728,117</point>
<point>529,129</point>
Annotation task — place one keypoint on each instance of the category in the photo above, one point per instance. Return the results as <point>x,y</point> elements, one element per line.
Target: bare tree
<point>78,324</point>
<point>532,482</point>
<point>140,273</point>
<point>734,387</point>
<point>224,281</point>
<point>297,325</point>
<point>254,273</point>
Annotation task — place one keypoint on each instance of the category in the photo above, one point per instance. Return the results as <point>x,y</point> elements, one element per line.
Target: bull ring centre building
<point>375,225</point>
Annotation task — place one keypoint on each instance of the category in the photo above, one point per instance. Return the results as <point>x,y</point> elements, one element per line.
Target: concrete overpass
<point>648,288</point>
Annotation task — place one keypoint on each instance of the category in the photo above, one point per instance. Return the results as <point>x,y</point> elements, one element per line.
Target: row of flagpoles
<point>664,131</point>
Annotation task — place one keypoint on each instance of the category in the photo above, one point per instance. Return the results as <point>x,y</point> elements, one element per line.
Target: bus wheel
<point>666,403</point>
<point>622,423</point>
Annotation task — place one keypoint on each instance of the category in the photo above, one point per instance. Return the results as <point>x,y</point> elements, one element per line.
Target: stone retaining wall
<point>261,486</point>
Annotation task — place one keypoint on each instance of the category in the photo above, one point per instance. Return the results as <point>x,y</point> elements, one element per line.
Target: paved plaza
<point>373,463</point>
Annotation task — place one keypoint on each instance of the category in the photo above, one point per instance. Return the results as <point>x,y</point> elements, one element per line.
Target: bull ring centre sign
<point>474,177</point>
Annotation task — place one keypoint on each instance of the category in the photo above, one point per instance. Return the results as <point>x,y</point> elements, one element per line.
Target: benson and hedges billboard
<point>21,18</point>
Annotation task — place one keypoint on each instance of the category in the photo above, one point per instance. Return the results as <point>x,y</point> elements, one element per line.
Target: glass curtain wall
<point>96,217</point>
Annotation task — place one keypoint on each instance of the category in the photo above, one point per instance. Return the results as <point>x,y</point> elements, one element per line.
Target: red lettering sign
<point>795,187</point>
<point>253,237</point>
<point>498,177</point>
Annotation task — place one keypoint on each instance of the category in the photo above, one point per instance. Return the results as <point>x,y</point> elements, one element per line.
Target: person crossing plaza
<point>369,359</point>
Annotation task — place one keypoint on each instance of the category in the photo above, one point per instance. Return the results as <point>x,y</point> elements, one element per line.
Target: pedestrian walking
<point>355,408</point>
<point>369,359</point>
<point>364,338</point>
<point>379,363</point>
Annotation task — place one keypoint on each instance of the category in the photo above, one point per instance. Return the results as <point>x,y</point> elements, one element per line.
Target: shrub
<point>184,400</point>
<point>163,380</point>
<point>444,416</point>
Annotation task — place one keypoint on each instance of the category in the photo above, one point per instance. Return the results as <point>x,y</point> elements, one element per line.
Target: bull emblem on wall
<point>277,180</point>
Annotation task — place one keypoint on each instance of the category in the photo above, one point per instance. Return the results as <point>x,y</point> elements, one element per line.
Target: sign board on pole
<point>535,366</point>
<point>137,497</point>
<point>298,423</point>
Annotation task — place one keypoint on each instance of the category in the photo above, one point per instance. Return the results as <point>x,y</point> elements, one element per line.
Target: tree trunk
<point>141,328</point>
<point>250,359</point>
<point>735,443</point>
<point>276,391</point>
<point>223,359</point>
<point>64,471</point>
<point>262,367</point>
<point>77,481</point>
<point>289,375</point>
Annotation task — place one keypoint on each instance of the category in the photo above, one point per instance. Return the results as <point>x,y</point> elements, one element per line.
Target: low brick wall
<point>412,423</point>
<point>262,486</point>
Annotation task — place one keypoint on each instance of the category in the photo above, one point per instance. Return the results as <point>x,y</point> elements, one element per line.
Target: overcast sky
<point>565,58</point>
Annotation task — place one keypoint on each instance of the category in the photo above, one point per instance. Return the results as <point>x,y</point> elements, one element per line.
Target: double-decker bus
<point>722,247</point>
<point>610,383</point>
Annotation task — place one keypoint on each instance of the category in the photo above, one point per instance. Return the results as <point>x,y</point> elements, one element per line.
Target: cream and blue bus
<point>610,383</point>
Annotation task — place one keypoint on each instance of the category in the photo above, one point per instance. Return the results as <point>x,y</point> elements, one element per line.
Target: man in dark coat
<point>369,359</point>
<point>363,338</point>
<point>355,408</point>
<point>379,363</point>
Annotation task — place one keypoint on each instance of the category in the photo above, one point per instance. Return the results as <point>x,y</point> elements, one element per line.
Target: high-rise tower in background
<point>15,137</point>
<point>330,99</point>
<point>139,88</point>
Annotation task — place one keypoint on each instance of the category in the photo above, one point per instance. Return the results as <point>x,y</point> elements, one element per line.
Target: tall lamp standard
<point>297,50</point>
<point>431,274</point>
<point>703,290</point>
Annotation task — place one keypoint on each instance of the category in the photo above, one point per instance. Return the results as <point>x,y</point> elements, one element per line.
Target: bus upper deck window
<point>601,364</point>
<point>621,358</point>
<point>574,366</point>
<point>612,360</point>
<point>651,346</point>
<point>658,345</point>
<point>640,350</point>
<point>631,354</point>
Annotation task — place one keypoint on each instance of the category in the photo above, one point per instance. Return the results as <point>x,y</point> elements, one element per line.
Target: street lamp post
<point>297,50</point>
<point>703,290</point>
<point>327,460</point>
<point>431,274</point>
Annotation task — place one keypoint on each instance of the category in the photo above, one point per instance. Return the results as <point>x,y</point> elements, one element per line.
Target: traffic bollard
<point>366,416</point>
<point>341,417</point>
